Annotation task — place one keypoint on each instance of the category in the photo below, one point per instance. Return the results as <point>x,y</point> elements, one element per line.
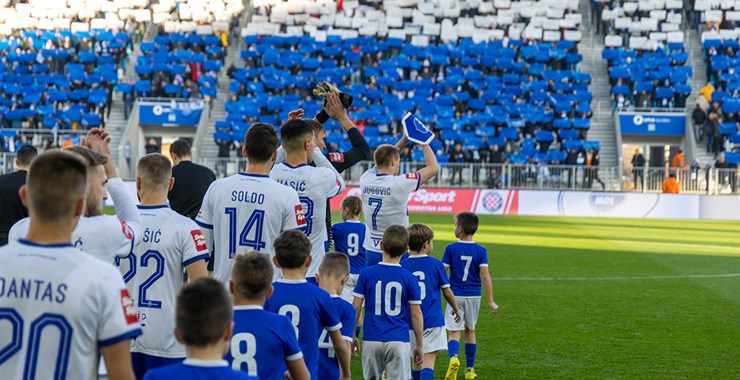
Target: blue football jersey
<point>262,343</point>
<point>348,238</point>
<point>192,369</point>
<point>310,310</point>
<point>388,290</point>
<point>465,259</point>
<point>328,362</point>
<point>432,278</point>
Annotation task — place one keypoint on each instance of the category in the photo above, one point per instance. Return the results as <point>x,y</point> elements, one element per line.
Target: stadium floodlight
<point>415,130</point>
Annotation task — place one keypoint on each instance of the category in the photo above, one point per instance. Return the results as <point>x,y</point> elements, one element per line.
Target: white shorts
<point>435,339</point>
<point>469,308</point>
<point>391,357</point>
<point>349,288</point>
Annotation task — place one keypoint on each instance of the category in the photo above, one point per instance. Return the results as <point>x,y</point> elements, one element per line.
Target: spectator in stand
<point>638,167</point>
<point>707,91</point>
<point>671,185</point>
<point>11,207</point>
<point>571,159</point>
<point>457,158</point>
<point>191,180</point>
<point>592,169</point>
<point>678,160</point>
<point>224,153</point>
<point>699,116</point>
<point>726,176</point>
<point>715,120</point>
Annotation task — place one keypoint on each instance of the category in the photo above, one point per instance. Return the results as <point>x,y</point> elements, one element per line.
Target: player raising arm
<point>314,185</point>
<point>106,237</point>
<point>153,272</point>
<point>385,194</point>
<point>248,210</point>
<point>73,304</point>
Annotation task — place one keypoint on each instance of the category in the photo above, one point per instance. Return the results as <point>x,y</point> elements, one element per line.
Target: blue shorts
<point>143,363</point>
<point>312,280</point>
<point>372,257</point>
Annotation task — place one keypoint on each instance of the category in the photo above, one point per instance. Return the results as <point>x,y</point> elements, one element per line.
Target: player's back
<point>314,185</point>
<point>60,306</point>
<point>464,260</point>
<point>261,343</point>
<point>192,369</point>
<point>328,362</point>
<point>104,236</point>
<point>387,289</point>
<point>310,310</point>
<point>385,202</point>
<point>246,212</point>
<point>348,239</point>
<point>432,278</point>
<point>154,274</point>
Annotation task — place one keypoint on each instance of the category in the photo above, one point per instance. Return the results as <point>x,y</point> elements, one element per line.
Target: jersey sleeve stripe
<point>446,265</point>
<point>204,256</point>
<point>418,180</point>
<point>334,328</point>
<point>414,302</point>
<point>483,265</point>
<point>204,225</point>
<point>358,295</point>
<point>445,286</point>
<point>128,335</point>
<point>347,338</point>
<point>293,357</point>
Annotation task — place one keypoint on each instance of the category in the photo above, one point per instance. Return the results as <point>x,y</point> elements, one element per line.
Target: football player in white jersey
<point>106,237</point>
<point>385,194</point>
<point>247,211</point>
<point>153,272</point>
<point>59,307</point>
<point>314,185</point>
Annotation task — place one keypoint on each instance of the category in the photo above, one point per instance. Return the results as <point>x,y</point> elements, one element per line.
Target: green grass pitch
<point>587,298</point>
<point>605,298</point>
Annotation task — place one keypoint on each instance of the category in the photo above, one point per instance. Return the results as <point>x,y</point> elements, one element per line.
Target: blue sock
<point>427,374</point>
<point>357,332</point>
<point>470,349</point>
<point>415,375</point>
<point>453,347</point>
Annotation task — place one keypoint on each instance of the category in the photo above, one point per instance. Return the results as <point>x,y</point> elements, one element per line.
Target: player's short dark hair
<point>26,154</point>
<point>203,312</point>
<point>418,235</point>
<point>395,240</point>
<point>353,204</point>
<point>384,154</point>
<point>468,221</point>
<point>260,142</point>
<point>292,247</point>
<point>252,275</point>
<point>294,132</point>
<point>55,181</point>
<point>180,148</point>
<point>315,125</point>
<point>90,156</point>
<point>334,265</point>
<point>155,170</point>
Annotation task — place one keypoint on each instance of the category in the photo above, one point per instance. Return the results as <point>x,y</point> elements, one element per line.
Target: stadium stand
<point>59,66</point>
<point>720,43</point>
<point>646,54</point>
<point>502,73</point>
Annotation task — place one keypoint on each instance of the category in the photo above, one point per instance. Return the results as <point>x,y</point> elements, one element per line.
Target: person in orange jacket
<point>678,160</point>
<point>671,185</point>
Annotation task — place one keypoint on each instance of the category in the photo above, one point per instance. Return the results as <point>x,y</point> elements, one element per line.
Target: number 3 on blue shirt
<point>378,204</point>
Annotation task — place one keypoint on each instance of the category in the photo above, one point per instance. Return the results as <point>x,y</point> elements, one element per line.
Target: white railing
<point>542,177</point>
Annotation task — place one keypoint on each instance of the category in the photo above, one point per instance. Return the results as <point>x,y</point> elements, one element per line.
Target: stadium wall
<point>568,203</point>
<point>560,203</point>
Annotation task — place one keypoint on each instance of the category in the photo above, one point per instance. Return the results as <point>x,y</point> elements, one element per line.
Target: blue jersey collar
<point>140,207</point>
<point>42,245</point>
<point>254,175</point>
<point>294,167</point>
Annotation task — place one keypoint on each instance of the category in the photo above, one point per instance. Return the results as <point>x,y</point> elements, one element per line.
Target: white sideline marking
<point>618,278</point>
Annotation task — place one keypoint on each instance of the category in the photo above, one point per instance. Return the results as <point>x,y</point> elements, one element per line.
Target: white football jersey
<point>385,201</point>
<point>104,236</point>
<point>314,185</point>
<point>246,212</point>
<point>58,307</point>
<point>154,273</point>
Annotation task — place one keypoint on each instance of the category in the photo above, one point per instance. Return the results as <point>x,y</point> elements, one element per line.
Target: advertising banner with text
<point>634,123</point>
